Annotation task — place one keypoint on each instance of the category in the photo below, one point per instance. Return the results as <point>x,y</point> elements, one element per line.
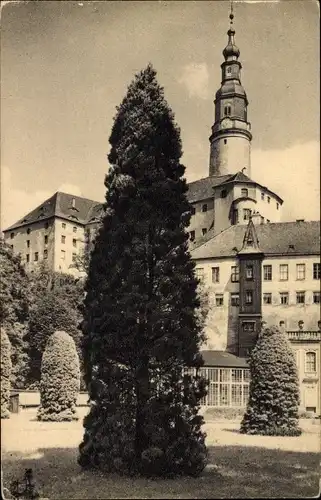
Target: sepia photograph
<point>160,249</point>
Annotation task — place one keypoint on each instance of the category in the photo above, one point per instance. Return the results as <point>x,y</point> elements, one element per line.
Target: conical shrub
<point>60,379</point>
<point>273,406</point>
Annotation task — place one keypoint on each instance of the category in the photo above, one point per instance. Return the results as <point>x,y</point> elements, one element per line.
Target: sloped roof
<point>203,188</point>
<point>282,238</point>
<point>59,205</point>
<point>223,359</point>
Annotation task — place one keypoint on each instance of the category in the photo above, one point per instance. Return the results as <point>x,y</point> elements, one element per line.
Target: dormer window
<point>227,110</point>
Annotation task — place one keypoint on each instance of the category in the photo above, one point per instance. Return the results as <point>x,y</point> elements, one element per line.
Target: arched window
<point>310,362</point>
<point>227,110</point>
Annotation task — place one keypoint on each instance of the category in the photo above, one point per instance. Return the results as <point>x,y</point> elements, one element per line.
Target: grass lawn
<point>240,466</point>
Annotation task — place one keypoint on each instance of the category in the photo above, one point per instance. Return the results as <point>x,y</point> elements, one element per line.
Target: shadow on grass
<point>239,472</point>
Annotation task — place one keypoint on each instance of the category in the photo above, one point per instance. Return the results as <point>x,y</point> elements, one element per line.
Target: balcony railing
<point>304,335</point>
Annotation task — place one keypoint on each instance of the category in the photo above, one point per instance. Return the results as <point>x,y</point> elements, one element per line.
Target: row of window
<point>284,272</point>
<point>267,272</point>
<point>284,298</point>
<point>45,255</point>
<point>63,225</point>
<point>267,298</point>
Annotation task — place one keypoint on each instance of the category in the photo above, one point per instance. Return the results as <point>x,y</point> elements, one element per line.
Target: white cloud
<point>294,174</point>
<point>195,77</point>
<point>15,203</point>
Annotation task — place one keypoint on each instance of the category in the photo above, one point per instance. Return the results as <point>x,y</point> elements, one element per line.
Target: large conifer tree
<point>141,312</point>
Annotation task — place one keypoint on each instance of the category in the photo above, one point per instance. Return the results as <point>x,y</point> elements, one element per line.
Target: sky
<point>66,65</point>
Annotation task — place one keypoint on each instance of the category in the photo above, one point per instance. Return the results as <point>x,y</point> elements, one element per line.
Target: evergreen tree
<point>142,325</point>
<point>14,310</point>
<point>5,374</point>
<point>50,312</point>
<point>60,379</point>
<point>273,406</point>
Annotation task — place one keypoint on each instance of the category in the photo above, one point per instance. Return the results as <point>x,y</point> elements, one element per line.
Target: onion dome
<point>231,50</point>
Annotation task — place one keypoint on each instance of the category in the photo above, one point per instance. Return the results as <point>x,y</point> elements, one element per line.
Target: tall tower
<point>231,137</point>
<point>250,313</point>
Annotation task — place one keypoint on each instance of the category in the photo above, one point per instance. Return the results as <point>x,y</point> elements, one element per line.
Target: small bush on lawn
<point>273,405</point>
<point>60,379</point>
<point>5,374</point>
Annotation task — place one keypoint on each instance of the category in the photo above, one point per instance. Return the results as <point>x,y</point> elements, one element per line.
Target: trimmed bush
<point>5,374</point>
<point>273,406</point>
<point>60,379</point>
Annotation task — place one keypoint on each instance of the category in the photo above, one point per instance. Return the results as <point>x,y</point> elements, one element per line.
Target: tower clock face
<point>226,123</point>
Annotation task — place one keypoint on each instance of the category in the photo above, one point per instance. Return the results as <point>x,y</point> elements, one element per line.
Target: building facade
<point>255,268</point>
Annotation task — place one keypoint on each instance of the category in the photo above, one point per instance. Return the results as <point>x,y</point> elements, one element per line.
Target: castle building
<point>255,268</point>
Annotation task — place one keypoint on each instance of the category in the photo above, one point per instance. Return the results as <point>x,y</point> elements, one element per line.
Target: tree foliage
<point>141,324</point>
<point>14,310</point>
<point>49,313</point>
<point>273,406</point>
<point>5,374</point>
<point>60,379</point>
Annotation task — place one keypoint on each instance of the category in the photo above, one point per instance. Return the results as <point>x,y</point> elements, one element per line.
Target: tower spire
<point>231,132</point>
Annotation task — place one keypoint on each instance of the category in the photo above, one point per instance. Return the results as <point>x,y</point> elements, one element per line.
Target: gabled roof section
<point>223,359</point>
<point>250,240</point>
<point>282,238</point>
<point>242,178</point>
<point>63,205</point>
<point>203,188</point>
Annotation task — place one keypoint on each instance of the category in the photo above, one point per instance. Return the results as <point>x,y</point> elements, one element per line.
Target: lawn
<point>240,466</point>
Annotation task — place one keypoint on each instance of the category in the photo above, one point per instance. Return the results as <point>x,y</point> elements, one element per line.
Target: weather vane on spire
<point>231,14</point>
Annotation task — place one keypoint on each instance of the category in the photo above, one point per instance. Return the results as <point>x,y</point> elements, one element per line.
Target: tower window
<point>36,256</point>
<point>63,239</point>
<point>46,225</point>
<point>244,192</point>
<point>249,273</point>
<point>227,110</point>
<point>248,297</point>
<point>262,196</point>
<point>12,235</point>
<point>223,193</point>
<point>229,70</point>
<point>28,243</point>
<point>268,199</point>
<point>204,231</point>
<point>28,230</point>
<point>46,239</point>
<point>45,254</point>
<point>225,141</point>
<point>28,257</point>
<point>204,207</point>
